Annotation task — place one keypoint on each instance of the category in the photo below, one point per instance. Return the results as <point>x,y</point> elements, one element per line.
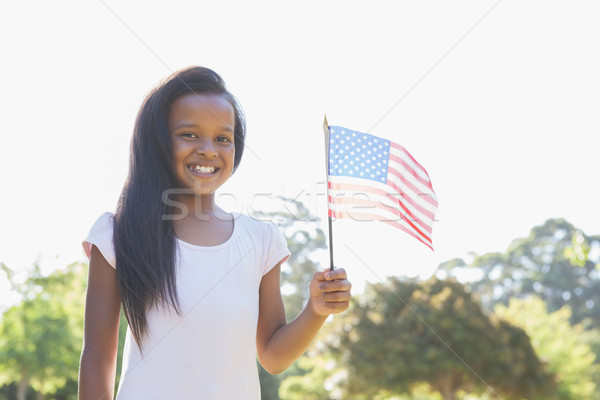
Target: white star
<point>372,176</point>
<point>351,172</point>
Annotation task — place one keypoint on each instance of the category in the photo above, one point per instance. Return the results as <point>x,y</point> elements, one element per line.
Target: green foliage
<point>555,263</point>
<point>317,374</point>
<point>563,346</point>
<point>122,335</point>
<point>577,253</point>
<point>9,392</point>
<point>269,384</point>
<point>40,338</point>
<point>434,332</point>
<point>309,381</point>
<point>592,338</point>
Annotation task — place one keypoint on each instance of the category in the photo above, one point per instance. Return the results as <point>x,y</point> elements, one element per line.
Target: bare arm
<point>97,367</point>
<point>279,343</point>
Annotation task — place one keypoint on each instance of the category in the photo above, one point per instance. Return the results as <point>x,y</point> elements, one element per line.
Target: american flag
<point>370,178</point>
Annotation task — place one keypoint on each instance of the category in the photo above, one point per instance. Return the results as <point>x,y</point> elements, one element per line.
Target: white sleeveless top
<point>209,351</point>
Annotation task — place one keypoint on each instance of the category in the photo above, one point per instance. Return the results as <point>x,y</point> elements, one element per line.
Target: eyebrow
<point>192,125</point>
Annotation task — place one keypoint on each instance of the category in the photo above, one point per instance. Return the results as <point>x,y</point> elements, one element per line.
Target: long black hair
<point>144,239</point>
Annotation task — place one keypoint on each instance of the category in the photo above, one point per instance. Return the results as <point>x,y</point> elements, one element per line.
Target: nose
<point>206,149</point>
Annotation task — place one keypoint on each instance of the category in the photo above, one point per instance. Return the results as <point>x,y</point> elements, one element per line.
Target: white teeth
<point>203,169</point>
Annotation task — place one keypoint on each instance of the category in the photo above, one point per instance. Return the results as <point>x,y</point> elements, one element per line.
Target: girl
<point>199,286</point>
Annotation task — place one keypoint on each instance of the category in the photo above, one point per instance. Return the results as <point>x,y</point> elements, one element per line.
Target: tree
<point>407,332</point>
<point>563,346</point>
<point>317,374</point>
<point>554,263</point>
<point>592,338</point>
<point>308,382</point>
<point>40,338</point>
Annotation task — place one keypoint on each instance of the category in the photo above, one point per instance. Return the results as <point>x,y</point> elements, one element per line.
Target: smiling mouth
<point>202,169</point>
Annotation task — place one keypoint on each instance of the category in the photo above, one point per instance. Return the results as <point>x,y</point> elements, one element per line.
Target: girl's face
<point>201,127</point>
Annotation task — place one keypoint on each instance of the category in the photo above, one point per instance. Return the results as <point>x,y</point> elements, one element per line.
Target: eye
<point>189,135</point>
<point>224,139</point>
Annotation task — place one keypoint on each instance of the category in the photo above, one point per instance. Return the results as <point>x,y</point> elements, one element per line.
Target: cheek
<point>181,150</point>
<point>231,156</point>
<point>178,156</point>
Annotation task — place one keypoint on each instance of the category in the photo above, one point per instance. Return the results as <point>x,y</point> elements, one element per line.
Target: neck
<point>201,208</point>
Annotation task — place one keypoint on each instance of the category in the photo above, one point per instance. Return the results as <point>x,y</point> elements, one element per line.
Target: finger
<point>339,273</point>
<point>337,307</point>
<point>336,297</point>
<point>320,275</point>
<point>335,286</point>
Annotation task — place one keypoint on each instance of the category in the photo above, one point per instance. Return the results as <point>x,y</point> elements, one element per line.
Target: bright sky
<point>498,100</point>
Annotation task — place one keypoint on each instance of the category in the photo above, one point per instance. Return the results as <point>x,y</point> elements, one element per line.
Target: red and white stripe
<point>407,201</point>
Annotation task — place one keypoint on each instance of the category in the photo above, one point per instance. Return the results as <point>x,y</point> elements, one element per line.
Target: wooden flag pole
<point>329,220</point>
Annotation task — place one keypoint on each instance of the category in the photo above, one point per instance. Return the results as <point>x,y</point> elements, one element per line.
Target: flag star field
<point>358,154</point>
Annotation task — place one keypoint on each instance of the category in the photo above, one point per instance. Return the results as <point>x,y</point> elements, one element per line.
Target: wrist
<point>312,306</point>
